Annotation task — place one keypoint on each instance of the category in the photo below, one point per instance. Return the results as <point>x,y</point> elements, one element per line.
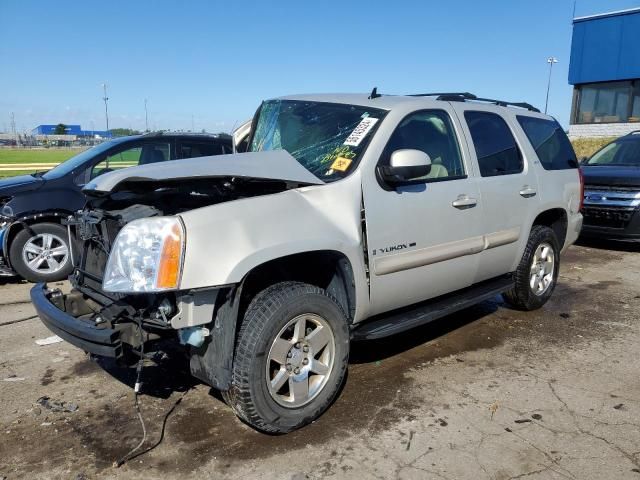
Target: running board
<point>425,312</point>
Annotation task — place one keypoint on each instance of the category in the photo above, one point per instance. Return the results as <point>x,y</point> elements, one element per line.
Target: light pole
<point>550,61</point>
<point>146,116</point>
<point>106,109</point>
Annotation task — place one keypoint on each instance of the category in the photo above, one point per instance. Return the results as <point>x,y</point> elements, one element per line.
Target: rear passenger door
<point>508,187</point>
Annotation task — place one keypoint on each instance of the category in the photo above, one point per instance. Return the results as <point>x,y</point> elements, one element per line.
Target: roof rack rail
<point>464,96</point>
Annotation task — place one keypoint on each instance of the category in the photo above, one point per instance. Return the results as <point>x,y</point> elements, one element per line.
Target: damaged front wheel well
<point>327,269</point>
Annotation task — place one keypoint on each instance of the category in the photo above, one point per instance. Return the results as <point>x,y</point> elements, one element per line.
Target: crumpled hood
<point>271,165</point>
<point>22,183</point>
<point>611,175</point>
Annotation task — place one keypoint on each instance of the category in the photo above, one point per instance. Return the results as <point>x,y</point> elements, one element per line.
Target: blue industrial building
<point>605,73</point>
<point>70,130</point>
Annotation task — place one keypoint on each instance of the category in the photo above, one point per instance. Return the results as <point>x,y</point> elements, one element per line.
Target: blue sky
<point>214,61</point>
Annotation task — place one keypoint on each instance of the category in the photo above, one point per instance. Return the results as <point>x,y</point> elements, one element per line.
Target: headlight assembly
<point>146,256</point>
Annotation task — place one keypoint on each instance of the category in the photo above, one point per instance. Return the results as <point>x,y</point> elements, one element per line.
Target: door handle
<point>528,192</point>
<point>464,201</point>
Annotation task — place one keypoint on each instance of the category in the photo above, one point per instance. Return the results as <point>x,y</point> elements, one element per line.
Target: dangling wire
<point>136,391</point>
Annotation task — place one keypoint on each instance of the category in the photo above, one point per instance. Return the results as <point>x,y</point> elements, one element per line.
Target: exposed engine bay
<point>139,317</point>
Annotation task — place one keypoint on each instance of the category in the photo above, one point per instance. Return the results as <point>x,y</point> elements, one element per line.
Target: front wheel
<point>537,274</point>
<point>40,253</point>
<point>291,357</point>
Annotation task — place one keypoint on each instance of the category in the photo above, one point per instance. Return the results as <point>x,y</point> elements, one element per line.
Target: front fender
<point>225,242</point>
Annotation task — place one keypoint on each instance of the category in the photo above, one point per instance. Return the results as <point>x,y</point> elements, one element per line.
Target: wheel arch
<point>330,270</point>
<point>557,220</point>
<point>25,221</point>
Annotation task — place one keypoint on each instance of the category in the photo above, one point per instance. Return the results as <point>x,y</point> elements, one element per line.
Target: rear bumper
<point>574,228</point>
<point>105,342</point>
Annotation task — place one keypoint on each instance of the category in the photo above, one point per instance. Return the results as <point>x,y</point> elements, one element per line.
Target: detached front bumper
<point>105,342</point>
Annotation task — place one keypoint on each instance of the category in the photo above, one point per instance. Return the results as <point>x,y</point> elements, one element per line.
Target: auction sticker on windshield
<point>361,130</point>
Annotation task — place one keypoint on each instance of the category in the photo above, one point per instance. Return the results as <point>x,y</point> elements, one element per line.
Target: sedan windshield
<point>78,160</point>
<point>327,139</point>
<point>624,152</point>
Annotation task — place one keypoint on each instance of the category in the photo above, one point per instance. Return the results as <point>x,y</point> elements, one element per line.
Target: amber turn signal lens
<point>170,260</point>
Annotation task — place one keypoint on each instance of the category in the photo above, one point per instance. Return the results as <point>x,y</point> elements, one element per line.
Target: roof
<point>615,13</point>
<point>189,135</point>
<point>385,102</point>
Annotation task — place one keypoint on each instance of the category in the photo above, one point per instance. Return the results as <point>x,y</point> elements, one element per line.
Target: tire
<point>529,293</point>
<point>269,409</point>
<point>29,241</point>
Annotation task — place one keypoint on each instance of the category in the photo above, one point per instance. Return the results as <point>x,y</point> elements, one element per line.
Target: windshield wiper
<point>38,174</point>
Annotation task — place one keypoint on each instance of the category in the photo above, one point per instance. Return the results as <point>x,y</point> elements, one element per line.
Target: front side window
<point>496,148</point>
<point>328,139</point>
<point>430,131</point>
<point>550,143</point>
<point>624,152</point>
<point>132,156</point>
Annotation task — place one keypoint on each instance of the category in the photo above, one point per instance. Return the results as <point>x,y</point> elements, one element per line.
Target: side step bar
<point>425,312</point>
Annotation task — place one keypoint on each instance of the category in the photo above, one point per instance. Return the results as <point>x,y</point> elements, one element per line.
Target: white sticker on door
<point>360,132</point>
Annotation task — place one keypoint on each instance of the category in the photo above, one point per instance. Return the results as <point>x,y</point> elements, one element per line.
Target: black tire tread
<point>520,295</point>
<point>256,318</point>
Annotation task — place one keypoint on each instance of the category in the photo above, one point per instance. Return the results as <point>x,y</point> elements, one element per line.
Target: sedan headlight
<point>146,256</point>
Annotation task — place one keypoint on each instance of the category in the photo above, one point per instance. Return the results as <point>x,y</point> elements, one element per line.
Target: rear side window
<point>550,143</point>
<point>194,149</point>
<point>496,149</point>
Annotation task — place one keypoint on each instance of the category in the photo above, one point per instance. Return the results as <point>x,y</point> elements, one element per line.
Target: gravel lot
<point>487,393</point>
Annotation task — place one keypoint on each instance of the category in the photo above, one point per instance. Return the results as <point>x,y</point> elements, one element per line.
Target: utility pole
<point>13,127</point>
<point>192,124</point>
<point>146,116</point>
<point>106,109</point>
<point>550,61</point>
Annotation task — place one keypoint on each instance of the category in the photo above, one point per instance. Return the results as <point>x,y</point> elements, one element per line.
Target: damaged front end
<point>104,318</point>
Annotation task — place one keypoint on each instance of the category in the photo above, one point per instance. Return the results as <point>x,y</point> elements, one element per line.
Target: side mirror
<point>583,160</point>
<point>405,168</point>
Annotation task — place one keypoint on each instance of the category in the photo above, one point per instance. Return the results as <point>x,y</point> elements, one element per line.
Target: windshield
<point>327,139</point>
<point>78,160</point>
<point>624,152</point>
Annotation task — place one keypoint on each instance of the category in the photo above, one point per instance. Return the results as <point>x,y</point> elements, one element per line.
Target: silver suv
<point>350,217</point>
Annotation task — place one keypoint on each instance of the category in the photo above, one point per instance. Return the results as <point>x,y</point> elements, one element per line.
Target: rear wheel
<point>41,253</point>
<point>537,274</point>
<point>291,357</point>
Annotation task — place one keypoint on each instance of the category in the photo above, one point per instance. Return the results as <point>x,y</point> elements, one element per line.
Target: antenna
<point>374,93</point>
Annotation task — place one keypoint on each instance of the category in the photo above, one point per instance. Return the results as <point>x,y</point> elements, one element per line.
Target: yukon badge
<point>393,248</point>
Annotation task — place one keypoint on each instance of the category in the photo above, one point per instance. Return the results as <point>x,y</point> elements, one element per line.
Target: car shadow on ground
<point>12,281</point>
<point>169,372</point>
<point>615,245</point>
<point>161,376</point>
<point>370,351</point>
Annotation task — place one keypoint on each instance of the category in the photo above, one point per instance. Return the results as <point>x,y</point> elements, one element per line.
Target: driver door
<point>423,240</point>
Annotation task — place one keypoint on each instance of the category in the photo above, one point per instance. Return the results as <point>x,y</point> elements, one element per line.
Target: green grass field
<point>38,160</point>
<point>17,157</point>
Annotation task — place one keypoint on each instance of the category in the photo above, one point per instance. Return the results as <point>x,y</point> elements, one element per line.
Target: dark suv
<point>33,242</point>
<point>612,190</point>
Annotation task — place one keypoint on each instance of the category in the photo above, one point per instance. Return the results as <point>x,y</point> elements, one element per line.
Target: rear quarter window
<point>550,143</point>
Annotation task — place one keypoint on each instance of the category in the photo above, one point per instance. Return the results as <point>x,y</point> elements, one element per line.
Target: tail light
<point>580,174</point>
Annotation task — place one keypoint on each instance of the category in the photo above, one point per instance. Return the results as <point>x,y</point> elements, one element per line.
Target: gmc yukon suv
<point>349,217</point>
